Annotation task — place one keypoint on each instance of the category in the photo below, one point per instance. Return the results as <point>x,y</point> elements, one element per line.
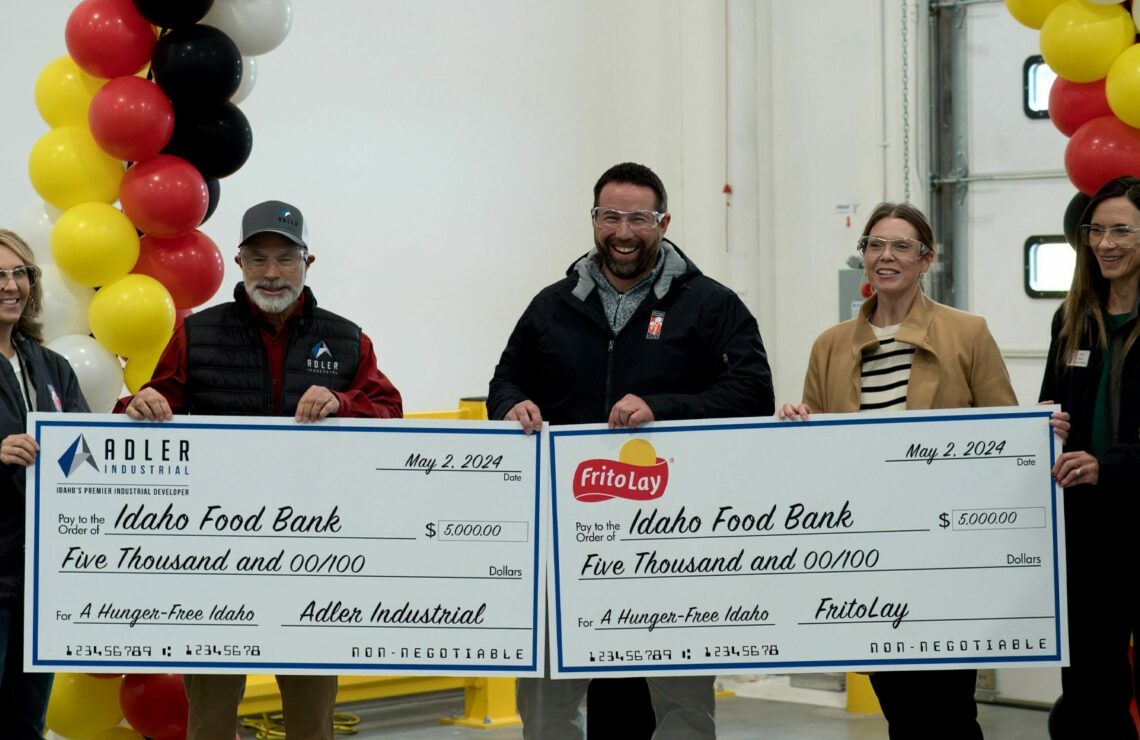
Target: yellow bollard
<point>861,697</point>
<point>476,407</point>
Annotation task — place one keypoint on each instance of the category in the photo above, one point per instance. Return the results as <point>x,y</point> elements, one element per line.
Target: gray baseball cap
<point>276,217</point>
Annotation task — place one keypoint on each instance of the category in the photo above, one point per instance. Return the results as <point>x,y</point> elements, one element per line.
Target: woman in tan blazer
<point>905,351</point>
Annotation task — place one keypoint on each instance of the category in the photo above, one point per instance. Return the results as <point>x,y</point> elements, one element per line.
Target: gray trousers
<point>685,707</point>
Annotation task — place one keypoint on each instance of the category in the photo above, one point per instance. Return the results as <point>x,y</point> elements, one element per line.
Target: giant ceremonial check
<point>853,541</point>
<point>226,544</point>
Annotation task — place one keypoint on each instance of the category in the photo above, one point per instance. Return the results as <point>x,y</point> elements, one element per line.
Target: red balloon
<point>154,704</point>
<point>180,316</point>
<point>189,266</point>
<point>1102,149</point>
<point>131,118</point>
<point>164,196</point>
<point>1073,104</point>
<point>109,38</point>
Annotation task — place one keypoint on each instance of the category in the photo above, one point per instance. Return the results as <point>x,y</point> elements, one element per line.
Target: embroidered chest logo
<point>656,323</point>
<point>321,360</point>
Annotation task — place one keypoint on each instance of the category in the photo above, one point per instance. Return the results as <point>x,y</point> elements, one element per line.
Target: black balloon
<point>1072,219</point>
<point>217,140</point>
<point>173,13</point>
<point>1058,720</point>
<point>197,64</point>
<point>214,187</point>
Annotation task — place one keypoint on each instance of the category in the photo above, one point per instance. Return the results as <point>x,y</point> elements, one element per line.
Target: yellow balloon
<point>132,316</point>
<point>140,369</point>
<point>64,92</point>
<point>1080,41</point>
<point>67,167</point>
<point>1031,13</point>
<point>94,244</point>
<point>1123,86</point>
<point>81,706</point>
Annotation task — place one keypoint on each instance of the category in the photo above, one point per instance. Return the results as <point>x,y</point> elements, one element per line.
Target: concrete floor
<point>738,718</point>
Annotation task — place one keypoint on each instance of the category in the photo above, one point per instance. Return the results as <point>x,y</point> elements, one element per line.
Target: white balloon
<point>248,79</point>
<point>99,371</point>
<point>256,26</point>
<point>33,223</point>
<point>65,304</point>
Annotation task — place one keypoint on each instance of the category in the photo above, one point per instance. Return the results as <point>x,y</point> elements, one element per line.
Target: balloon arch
<point>1095,101</point>
<point>143,111</point>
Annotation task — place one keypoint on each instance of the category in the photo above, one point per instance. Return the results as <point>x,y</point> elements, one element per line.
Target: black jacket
<point>1075,389</point>
<point>56,389</point>
<point>707,362</point>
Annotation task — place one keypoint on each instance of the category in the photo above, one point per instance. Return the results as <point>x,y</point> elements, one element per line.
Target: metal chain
<point>906,100</point>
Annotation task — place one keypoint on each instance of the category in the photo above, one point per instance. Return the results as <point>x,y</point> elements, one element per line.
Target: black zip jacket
<point>1075,389</point>
<point>707,361</point>
<point>56,389</point>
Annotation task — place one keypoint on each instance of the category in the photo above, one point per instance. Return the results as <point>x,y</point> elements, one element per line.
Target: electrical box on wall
<point>850,293</point>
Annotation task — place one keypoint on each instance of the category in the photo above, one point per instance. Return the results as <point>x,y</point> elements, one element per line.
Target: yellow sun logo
<point>638,452</point>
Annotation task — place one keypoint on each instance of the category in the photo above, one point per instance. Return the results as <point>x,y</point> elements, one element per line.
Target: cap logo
<point>286,217</point>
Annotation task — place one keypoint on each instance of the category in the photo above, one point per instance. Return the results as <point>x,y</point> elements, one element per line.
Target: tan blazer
<point>956,364</point>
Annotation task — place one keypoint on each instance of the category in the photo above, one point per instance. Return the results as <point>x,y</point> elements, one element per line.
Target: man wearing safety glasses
<point>634,333</point>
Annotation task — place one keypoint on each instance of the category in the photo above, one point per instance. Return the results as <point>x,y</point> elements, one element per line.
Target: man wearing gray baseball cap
<point>269,352</point>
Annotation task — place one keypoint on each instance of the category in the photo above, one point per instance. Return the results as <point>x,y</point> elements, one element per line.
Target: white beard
<point>272,304</point>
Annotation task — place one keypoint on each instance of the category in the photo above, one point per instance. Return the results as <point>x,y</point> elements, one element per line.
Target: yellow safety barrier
<point>487,702</point>
<point>469,408</point>
<point>861,697</point>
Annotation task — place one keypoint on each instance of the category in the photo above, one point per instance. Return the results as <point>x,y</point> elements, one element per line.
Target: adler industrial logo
<point>76,456</point>
<point>638,474</point>
<point>321,359</point>
<point>128,456</point>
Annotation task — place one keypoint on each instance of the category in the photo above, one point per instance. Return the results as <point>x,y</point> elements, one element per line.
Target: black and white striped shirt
<point>886,372</point>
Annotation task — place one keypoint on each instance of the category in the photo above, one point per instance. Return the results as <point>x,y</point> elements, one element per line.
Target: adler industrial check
<point>858,541</point>
<point>222,544</point>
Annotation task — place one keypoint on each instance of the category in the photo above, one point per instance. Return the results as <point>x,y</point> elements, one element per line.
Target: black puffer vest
<point>226,360</point>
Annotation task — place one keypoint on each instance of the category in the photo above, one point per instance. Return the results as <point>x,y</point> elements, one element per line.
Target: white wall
<point>445,151</point>
<point>828,134</point>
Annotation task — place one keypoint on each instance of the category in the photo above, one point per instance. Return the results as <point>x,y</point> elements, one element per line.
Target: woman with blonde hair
<point>1093,371</point>
<point>32,378</point>
<point>905,351</point>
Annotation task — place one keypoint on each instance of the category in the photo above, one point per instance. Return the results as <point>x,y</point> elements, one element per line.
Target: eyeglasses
<point>284,261</point>
<point>902,249</point>
<point>1124,237</point>
<point>609,219</point>
<point>23,274</point>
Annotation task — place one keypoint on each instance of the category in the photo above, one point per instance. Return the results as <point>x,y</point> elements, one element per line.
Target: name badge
<point>1079,359</point>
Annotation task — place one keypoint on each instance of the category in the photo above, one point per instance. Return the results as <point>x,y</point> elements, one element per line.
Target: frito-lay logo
<point>638,474</point>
